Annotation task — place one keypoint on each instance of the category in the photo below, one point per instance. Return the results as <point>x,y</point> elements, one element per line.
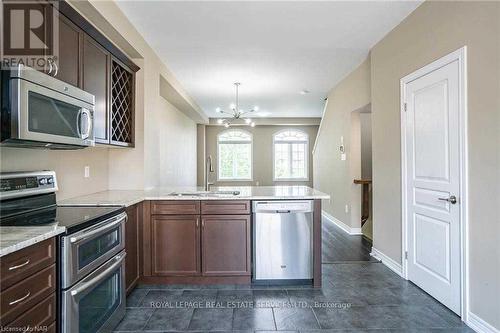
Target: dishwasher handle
<point>283,207</point>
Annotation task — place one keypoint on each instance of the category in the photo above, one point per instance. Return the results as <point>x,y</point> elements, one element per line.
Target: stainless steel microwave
<point>40,111</point>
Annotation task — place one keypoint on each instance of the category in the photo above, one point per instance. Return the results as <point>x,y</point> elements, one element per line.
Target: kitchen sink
<point>205,193</point>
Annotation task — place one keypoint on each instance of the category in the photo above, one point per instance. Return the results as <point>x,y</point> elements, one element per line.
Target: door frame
<point>459,55</point>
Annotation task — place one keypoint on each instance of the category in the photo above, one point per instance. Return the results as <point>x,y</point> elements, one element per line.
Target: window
<point>290,155</point>
<point>235,155</point>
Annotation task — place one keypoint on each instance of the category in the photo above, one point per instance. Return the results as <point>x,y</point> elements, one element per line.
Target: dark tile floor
<point>355,297</point>
<point>339,247</point>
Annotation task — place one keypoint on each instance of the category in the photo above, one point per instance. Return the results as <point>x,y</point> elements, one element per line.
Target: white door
<point>432,137</point>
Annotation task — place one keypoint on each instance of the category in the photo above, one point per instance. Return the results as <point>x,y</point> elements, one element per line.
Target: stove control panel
<point>21,184</point>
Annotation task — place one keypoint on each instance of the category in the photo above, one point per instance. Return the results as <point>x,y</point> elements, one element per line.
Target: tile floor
<point>357,296</point>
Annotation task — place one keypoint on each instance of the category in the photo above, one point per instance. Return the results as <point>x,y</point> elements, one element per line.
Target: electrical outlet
<point>347,208</point>
<point>257,183</point>
<point>87,171</point>
<point>343,157</point>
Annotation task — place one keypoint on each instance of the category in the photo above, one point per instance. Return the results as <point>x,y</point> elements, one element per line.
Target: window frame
<point>306,155</point>
<point>219,179</point>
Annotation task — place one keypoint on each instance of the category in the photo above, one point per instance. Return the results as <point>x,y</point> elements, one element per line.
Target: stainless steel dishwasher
<point>282,240</point>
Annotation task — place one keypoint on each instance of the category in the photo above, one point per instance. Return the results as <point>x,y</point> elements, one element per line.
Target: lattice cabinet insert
<point>122,105</point>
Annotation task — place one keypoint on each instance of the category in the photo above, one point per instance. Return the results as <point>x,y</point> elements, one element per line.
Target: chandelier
<point>236,113</point>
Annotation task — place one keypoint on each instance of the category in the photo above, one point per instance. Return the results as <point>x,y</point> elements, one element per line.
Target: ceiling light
<point>304,92</point>
<point>236,112</point>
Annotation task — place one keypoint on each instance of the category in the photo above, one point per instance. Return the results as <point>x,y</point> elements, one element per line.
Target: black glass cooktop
<point>74,218</point>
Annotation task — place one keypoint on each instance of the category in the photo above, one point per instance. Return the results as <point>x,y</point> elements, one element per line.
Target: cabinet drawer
<point>24,295</point>
<point>229,207</point>
<point>23,263</point>
<point>175,207</point>
<point>42,314</point>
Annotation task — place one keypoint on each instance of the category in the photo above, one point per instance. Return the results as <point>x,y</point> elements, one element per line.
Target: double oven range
<point>91,265</point>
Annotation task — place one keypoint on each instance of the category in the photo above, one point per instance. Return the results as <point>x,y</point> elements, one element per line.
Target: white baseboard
<point>479,325</point>
<point>390,263</point>
<point>341,225</point>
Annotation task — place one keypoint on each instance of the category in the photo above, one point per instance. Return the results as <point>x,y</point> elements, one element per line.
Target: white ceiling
<point>275,49</point>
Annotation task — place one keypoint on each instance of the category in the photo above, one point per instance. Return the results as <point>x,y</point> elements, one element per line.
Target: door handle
<point>106,225</point>
<point>20,299</point>
<point>20,265</point>
<point>83,285</point>
<point>88,116</point>
<point>452,199</point>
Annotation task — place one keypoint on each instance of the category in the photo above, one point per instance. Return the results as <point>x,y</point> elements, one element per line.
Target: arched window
<point>291,151</point>
<point>234,149</point>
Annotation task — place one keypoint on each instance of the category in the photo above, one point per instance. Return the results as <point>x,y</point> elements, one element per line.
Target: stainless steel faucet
<point>208,168</point>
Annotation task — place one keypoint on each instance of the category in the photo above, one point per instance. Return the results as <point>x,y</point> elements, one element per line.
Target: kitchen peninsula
<point>185,235</point>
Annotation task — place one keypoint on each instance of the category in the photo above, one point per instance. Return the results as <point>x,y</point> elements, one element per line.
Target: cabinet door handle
<point>20,299</point>
<point>202,224</point>
<point>11,268</point>
<point>197,223</point>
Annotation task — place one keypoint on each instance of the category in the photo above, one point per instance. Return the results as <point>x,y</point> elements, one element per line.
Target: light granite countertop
<point>130,197</point>
<point>16,238</point>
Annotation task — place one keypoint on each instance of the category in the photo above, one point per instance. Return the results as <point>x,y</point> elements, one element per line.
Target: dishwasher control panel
<point>303,206</point>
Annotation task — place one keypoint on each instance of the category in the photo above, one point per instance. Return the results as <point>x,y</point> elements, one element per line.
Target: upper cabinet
<point>96,69</point>
<point>122,104</point>
<point>88,60</point>
<point>69,63</point>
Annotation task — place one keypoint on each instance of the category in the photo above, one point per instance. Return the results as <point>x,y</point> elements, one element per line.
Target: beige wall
<point>331,175</point>
<point>433,30</point>
<point>69,166</point>
<point>262,153</point>
<point>366,144</point>
<point>165,152</point>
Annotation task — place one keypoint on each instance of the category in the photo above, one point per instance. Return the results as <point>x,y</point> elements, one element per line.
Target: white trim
<point>480,325</point>
<point>461,56</point>
<point>341,225</point>
<point>390,263</point>
<point>320,126</point>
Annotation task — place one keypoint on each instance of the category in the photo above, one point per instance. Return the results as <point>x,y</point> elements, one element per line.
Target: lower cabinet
<point>225,245</point>
<point>197,241</point>
<point>27,289</point>
<point>175,245</point>
<point>132,246</point>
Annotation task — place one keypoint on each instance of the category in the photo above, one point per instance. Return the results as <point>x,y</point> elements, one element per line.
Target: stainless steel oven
<point>97,302</point>
<point>84,251</point>
<point>39,110</point>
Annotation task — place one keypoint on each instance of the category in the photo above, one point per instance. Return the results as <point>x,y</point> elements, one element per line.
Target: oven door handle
<point>96,280</point>
<point>121,218</point>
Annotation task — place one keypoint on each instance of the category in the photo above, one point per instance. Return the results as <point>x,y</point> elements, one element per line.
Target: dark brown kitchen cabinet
<point>70,48</point>
<point>132,246</point>
<point>225,245</point>
<point>28,285</point>
<point>96,80</point>
<point>122,105</point>
<point>175,245</point>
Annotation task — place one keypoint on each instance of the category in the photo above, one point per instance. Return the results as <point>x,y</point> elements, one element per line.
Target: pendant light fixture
<point>236,113</point>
